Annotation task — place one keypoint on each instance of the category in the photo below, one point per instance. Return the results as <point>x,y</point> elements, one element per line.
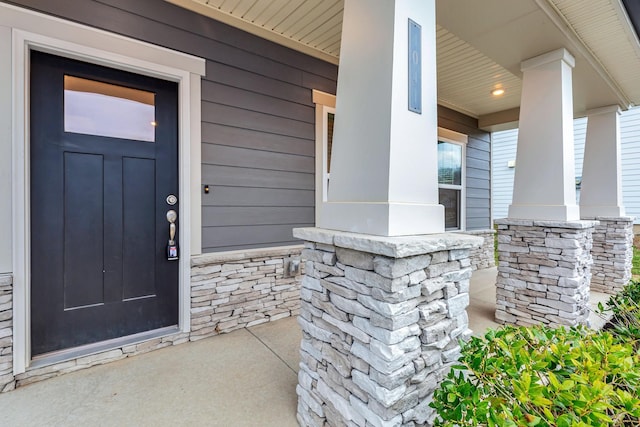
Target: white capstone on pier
<point>544,269</point>
<point>612,254</point>
<point>382,319</point>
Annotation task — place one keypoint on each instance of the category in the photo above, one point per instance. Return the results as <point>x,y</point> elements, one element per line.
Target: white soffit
<point>311,26</point>
<point>466,78</point>
<point>604,28</point>
<point>480,44</point>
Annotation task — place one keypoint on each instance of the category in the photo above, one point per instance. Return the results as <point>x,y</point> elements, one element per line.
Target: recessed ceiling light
<point>497,92</point>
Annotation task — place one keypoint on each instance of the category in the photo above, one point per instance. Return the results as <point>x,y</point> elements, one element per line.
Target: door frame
<point>36,31</point>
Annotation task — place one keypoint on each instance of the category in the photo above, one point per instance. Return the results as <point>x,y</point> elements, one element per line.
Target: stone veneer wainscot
<point>483,256</point>
<point>229,291</point>
<point>6,333</point>
<point>382,319</point>
<point>544,269</point>
<point>234,290</point>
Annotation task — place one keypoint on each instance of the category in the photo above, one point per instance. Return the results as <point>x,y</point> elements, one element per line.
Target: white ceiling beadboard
<point>466,78</point>
<point>480,44</point>
<point>316,24</point>
<point>599,25</point>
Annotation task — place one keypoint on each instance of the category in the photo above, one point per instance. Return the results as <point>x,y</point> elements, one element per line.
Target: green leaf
<point>567,385</point>
<point>542,401</point>
<point>553,380</point>
<point>564,421</point>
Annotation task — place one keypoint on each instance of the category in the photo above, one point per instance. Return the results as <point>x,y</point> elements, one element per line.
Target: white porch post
<point>383,299</point>
<point>601,193</point>
<point>544,248</point>
<point>384,157</point>
<point>601,199</point>
<point>544,183</point>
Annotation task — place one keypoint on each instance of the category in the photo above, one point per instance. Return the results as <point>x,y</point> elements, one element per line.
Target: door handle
<point>172,247</point>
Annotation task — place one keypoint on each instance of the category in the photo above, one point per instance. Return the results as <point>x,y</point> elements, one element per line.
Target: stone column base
<point>381,319</point>
<point>543,272</point>
<point>7,380</point>
<point>612,254</point>
<point>483,257</point>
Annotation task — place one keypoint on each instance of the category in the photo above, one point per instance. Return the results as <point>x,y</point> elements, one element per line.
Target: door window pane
<point>103,109</point>
<point>449,163</point>
<point>450,199</point>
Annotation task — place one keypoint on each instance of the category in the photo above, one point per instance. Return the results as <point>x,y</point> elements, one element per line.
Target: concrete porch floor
<point>245,378</point>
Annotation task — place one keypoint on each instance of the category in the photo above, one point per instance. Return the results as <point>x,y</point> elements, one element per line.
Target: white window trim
<point>32,30</point>
<point>325,104</point>
<point>453,137</point>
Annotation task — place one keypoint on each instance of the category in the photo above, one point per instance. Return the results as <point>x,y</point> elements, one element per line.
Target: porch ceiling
<point>480,45</point>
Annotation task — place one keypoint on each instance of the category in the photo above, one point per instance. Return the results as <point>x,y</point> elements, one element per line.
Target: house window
<point>329,115</point>
<point>451,179</point>
<point>325,117</point>
<point>451,163</point>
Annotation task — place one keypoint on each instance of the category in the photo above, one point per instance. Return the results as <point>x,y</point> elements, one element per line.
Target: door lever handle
<point>171,217</point>
<point>172,248</point>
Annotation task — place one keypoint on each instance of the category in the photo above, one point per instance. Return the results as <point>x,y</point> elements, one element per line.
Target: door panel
<point>83,230</point>
<point>139,227</point>
<point>99,233</point>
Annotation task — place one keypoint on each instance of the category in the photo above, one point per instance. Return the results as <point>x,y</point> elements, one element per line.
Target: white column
<point>384,157</point>
<point>544,186</point>
<point>601,193</point>
<point>6,179</point>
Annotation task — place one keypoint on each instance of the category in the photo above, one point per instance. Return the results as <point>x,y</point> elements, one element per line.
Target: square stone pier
<point>612,254</point>
<point>382,319</point>
<point>544,270</point>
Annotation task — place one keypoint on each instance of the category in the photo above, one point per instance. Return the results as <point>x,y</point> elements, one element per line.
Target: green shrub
<point>542,377</point>
<point>625,310</point>
<point>635,269</point>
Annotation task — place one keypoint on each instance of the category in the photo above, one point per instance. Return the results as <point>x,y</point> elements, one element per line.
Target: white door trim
<point>31,30</point>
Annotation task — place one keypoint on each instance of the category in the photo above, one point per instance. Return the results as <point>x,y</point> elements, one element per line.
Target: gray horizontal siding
<point>478,167</point>
<point>258,117</point>
<point>258,121</point>
<point>504,150</point>
<point>256,178</point>
<point>630,138</point>
<point>247,138</point>
<point>220,195</point>
<point>245,236</point>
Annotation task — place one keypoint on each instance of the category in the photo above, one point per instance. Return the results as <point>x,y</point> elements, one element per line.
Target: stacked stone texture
<point>379,332</point>
<point>228,291</point>
<point>544,269</point>
<point>483,257</point>
<point>7,381</point>
<point>612,254</point>
<point>234,291</point>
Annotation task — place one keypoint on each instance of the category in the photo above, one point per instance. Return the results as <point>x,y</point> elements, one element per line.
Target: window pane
<point>451,201</point>
<point>449,163</point>
<point>330,119</point>
<point>103,109</point>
